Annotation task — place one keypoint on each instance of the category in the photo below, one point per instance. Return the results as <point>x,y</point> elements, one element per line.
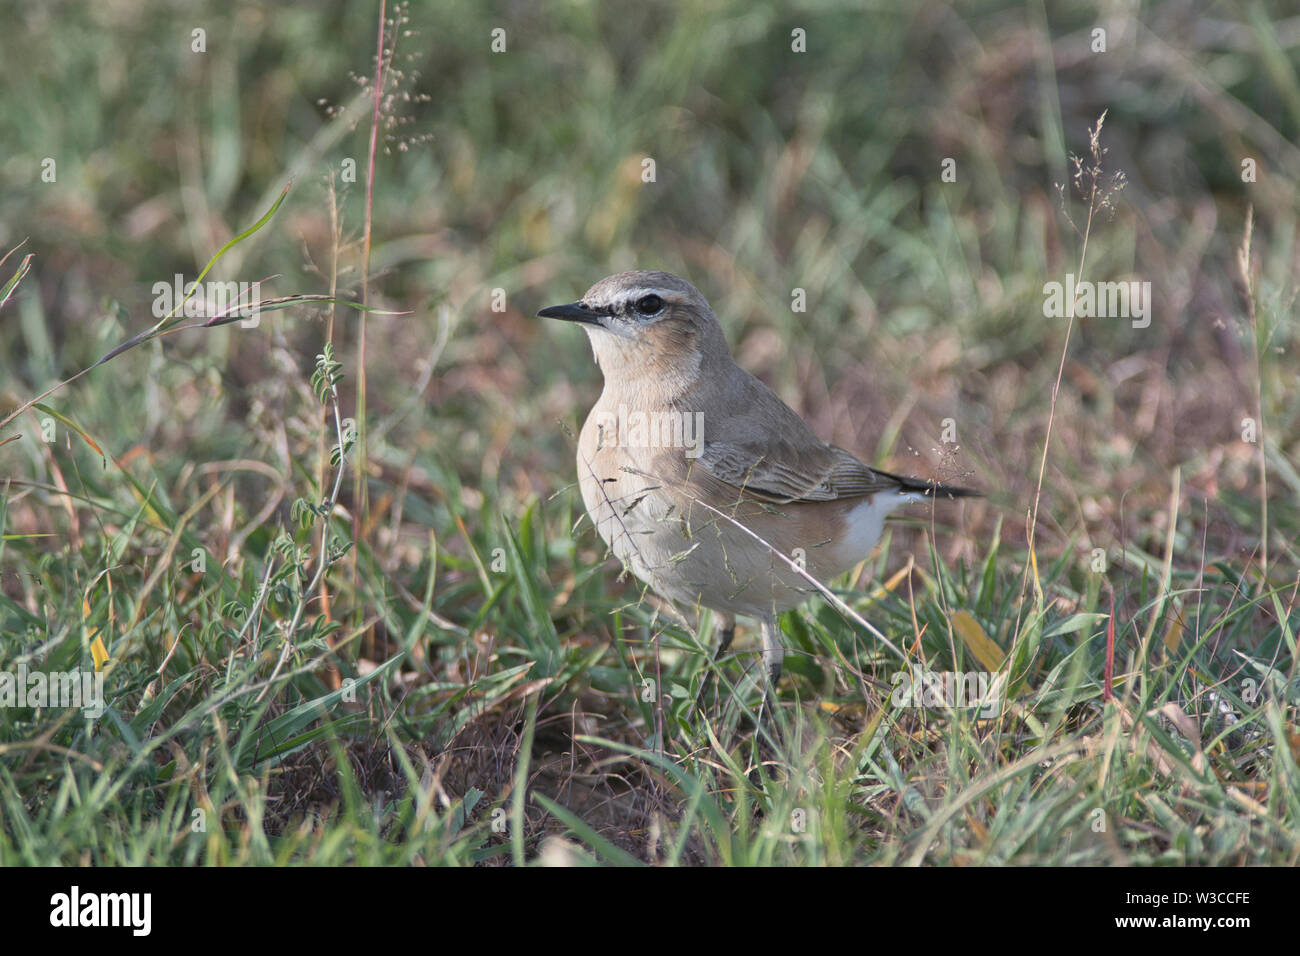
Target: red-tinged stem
<point>361,514</point>
<point>1109,692</point>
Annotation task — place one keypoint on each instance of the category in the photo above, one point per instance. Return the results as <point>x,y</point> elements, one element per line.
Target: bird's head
<point>647,324</point>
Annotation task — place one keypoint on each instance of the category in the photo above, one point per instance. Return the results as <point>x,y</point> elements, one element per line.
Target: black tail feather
<point>934,489</point>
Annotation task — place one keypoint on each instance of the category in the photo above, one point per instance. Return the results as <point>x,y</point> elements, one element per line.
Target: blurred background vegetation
<point>521,170</point>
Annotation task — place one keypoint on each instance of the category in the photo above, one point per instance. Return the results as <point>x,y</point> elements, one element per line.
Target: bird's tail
<point>931,489</point>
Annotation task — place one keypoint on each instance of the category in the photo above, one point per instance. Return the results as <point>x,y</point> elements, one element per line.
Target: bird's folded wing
<point>783,472</point>
<point>756,442</point>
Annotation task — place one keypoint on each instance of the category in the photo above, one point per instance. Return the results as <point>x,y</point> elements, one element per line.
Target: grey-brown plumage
<point>726,518</point>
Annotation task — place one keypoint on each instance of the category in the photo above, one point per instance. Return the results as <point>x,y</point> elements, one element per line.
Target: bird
<point>701,480</point>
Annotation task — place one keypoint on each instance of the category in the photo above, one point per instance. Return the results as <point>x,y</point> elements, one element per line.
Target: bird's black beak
<point>573,312</point>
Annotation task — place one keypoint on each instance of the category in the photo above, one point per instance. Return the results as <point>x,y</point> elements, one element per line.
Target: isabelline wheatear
<point>700,479</point>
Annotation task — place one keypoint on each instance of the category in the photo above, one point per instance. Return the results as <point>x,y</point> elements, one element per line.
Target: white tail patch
<point>867,521</point>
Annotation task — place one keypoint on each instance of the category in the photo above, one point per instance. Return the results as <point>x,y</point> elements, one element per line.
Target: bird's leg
<point>773,651</point>
<point>728,634</point>
<point>773,657</point>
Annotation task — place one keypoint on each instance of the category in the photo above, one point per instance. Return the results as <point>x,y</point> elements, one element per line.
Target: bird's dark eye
<point>649,304</point>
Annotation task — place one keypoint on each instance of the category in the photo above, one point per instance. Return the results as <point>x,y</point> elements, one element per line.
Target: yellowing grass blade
<point>98,652</point>
<point>976,641</point>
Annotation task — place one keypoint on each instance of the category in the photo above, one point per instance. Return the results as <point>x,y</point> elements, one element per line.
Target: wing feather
<point>771,454</point>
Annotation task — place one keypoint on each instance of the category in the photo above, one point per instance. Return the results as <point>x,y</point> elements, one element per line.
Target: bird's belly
<point>695,555</point>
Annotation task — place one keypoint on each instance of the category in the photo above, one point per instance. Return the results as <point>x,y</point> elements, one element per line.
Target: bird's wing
<point>780,472</point>
<point>770,453</point>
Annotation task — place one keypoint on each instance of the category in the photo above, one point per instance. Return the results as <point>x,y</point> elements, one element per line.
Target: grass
<point>336,636</point>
